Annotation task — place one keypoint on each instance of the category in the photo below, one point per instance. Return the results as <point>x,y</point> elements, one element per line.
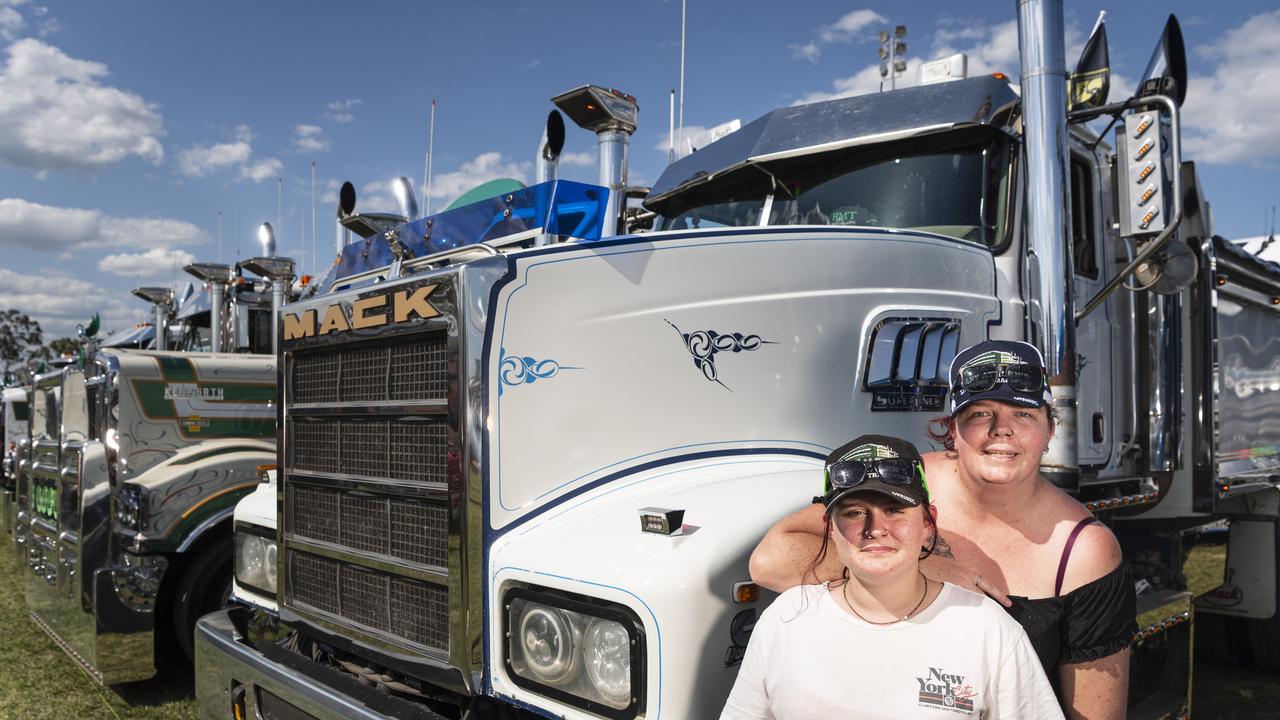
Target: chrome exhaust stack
<point>278,271</point>
<point>403,190</point>
<point>547,164</point>
<point>162,299</point>
<point>1044,107</point>
<point>611,115</point>
<point>370,224</point>
<point>218,277</point>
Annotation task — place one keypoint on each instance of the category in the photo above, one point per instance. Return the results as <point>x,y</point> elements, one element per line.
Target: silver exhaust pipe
<point>162,300</point>
<point>279,272</point>
<point>267,237</point>
<point>611,115</point>
<point>218,277</point>
<point>1044,106</point>
<point>547,164</point>
<point>403,190</point>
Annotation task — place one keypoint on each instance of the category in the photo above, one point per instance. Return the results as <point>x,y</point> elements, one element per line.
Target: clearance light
<point>1147,195</point>
<point>1000,76</point>
<point>1145,172</point>
<point>1146,219</point>
<point>1221,279</point>
<point>237,703</point>
<point>1275,299</point>
<point>745,592</point>
<point>1144,149</point>
<point>1142,126</point>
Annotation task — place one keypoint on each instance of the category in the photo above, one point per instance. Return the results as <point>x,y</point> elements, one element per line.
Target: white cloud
<point>310,138</point>
<point>56,115</point>
<point>849,25</point>
<point>60,302</point>
<point>262,170</point>
<point>843,30</point>
<point>1233,115</point>
<point>52,229</point>
<point>584,159</point>
<point>697,135</point>
<point>446,187</point>
<point>154,263</point>
<point>199,161</point>
<point>202,160</point>
<point>991,48</point>
<point>378,197</point>
<point>339,111</point>
<point>11,23</point>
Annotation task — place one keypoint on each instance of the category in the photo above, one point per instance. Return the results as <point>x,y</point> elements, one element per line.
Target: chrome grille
<point>401,370</point>
<point>366,502</point>
<point>403,449</point>
<point>416,531</point>
<point>312,580</point>
<point>393,605</point>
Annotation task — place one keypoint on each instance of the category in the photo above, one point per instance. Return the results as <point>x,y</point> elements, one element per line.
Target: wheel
<point>205,586</point>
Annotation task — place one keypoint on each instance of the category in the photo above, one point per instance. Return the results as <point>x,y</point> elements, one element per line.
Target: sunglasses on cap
<point>1022,377</point>
<point>892,471</point>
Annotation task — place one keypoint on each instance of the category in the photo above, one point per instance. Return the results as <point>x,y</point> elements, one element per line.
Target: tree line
<point>22,342</point>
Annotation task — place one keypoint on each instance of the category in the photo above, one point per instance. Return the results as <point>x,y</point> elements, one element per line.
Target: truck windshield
<point>961,191</point>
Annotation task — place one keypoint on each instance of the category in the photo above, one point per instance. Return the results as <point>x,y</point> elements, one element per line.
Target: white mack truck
<point>125,494</point>
<point>523,458</point>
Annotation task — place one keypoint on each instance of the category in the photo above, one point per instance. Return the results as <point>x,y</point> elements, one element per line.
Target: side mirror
<point>1166,72</point>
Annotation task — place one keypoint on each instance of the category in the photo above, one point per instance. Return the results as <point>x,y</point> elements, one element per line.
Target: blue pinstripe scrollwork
<point>704,344</point>
<point>516,370</point>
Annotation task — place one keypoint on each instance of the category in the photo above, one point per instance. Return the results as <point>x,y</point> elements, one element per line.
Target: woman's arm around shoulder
<point>782,558</point>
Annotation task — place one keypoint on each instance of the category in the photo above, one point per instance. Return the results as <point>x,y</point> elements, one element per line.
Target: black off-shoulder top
<point>1093,621</point>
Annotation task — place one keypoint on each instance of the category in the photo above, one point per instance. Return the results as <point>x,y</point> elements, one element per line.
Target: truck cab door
<point>1098,368</point>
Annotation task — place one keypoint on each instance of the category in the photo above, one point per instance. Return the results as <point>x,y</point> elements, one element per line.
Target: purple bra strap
<point>1066,553</point>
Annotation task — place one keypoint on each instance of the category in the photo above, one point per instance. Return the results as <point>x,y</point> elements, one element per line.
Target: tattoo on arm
<point>943,548</point>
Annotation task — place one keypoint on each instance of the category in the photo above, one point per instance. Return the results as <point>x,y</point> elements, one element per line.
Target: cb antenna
<point>1271,235</point>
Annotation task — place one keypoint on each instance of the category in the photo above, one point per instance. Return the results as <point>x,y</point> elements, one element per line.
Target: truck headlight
<point>127,506</point>
<point>255,560</point>
<point>578,650</point>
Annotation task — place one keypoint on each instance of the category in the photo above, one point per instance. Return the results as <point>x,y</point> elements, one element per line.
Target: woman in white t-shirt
<point>894,644</point>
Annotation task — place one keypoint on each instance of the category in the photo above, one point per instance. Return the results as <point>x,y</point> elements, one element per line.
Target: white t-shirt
<point>963,657</point>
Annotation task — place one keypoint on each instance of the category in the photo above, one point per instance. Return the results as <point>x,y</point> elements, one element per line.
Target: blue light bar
<point>559,207</point>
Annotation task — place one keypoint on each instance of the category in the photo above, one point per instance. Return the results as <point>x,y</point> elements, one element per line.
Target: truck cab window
<point>1082,226</point>
<point>740,213</point>
<point>959,192</point>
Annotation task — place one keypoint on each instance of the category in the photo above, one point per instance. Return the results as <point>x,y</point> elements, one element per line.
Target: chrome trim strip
<point>195,535</point>
<point>420,490</point>
<point>374,561</point>
<point>372,408</point>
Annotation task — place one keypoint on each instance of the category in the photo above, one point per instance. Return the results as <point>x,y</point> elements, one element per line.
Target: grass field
<point>38,681</point>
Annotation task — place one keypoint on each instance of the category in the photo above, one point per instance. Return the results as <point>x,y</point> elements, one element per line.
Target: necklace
<point>845,592</point>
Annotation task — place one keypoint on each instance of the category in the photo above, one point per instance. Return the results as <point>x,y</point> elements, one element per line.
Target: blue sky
<point>126,127</point>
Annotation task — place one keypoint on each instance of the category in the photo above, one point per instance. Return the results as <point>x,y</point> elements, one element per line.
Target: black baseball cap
<point>875,463</point>
<point>1007,370</point>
